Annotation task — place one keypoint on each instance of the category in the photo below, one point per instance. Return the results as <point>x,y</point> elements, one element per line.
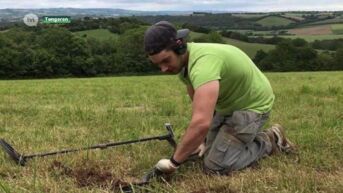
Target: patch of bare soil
<point>317,30</point>
<point>218,189</point>
<point>91,175</point>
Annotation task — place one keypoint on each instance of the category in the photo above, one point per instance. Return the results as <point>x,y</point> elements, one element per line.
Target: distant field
<point>294,16</point>
<point>100,34</point>
<point>315,30</point>
<point>249,48</point>
<point>245,15</point>
<point>330,21</point>
<point>54,114</point>
<point>337,28</point>
<point>274,21</point>
<point>311,38</point>
<point>312,33</point>
<point>254,32</point>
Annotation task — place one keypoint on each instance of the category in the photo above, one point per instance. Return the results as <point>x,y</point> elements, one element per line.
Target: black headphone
<point>180,46</point>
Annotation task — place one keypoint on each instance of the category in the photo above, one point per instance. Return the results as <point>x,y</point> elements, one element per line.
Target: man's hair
<point>163,35</point>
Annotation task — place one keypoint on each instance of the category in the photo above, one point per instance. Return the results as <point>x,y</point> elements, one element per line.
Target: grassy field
<point>311,38</point>
<point>338,19</point>
<point>312,30</point>
<point>274,21</point>
<point>42,115</point>
<point>100,34</point>
<point>296,16</point>
<point>249,48</point>
<point>249,15</point>
<point>337,28</point>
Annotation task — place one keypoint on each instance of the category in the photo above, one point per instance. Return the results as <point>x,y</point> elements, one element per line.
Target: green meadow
<point>337,28</point>
<point>249,48</point>
<point>274,21</point>
<point>54,114</point>
<point>311,38</point>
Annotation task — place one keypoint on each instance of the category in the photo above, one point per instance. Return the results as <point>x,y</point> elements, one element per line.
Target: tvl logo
<point>31,19</point>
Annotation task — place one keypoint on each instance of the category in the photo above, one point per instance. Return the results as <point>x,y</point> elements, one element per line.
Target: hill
<point>337,28</point>
<point>249,48</point>
<point>270,21</point>
<point>312,30</point>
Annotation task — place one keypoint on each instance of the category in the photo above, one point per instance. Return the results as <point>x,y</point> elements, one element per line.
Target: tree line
<point>57,52</point>
<point>298,55</point>
<point>331,45</point>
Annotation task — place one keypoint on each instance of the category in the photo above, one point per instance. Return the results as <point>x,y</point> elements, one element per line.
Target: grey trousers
<point>235,142</point>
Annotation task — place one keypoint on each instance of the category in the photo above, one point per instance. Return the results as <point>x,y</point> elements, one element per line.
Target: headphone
<point>180,47</point>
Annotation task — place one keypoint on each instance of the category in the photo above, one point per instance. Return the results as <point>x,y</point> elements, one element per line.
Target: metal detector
<point>21,159</point>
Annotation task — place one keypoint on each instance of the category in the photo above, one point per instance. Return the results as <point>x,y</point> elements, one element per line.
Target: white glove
<point>200,150</point>
<point>166,166</point>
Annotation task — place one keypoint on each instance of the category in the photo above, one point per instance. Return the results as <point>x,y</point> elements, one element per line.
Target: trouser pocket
<point>224,153</point>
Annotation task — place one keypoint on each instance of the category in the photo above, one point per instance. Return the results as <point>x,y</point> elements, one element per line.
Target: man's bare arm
<point>203,105</point>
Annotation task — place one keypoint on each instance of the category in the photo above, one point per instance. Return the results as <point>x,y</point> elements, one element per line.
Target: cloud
<point>182,5</point>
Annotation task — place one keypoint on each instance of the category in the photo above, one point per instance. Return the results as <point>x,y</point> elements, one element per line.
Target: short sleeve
<point>205,69</point>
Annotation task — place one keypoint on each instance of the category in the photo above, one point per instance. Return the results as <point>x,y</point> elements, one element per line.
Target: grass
<point>43,115</point>
<point>100,34</point>
<point>297,16</point>
<point>337,28</point>
<point>338,19</point>
<point>311,38</point>
<point>249,48</point>
<point>255,33</point>
<point>274,21</point>
<point>249,15</point>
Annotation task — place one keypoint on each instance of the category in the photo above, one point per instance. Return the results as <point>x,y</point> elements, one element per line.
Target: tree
<point>212,37</point>
<point>260,55</point>
<point>299,42</point>
<point>130,54</point>
<point>338,60</point>
<point>288,57</point>
<point>215,37</point>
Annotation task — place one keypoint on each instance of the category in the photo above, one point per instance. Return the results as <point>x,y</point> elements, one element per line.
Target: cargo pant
<point>235,142</point>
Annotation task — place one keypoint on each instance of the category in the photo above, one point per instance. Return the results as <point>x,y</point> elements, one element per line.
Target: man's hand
<point>200,150</point>
<point>166,166</point>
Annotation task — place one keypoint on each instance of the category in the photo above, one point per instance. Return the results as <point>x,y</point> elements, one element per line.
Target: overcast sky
<point>182,5</point>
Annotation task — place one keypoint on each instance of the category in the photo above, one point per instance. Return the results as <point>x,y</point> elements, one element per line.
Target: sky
<point>183,5</point>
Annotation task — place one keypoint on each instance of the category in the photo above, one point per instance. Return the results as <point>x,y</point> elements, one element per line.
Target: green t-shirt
<point>242,86</point>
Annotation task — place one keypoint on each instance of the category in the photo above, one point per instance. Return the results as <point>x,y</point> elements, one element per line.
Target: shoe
<point>279,141</point>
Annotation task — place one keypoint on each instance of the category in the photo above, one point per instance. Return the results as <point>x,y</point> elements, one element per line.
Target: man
<point>231,101</point>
